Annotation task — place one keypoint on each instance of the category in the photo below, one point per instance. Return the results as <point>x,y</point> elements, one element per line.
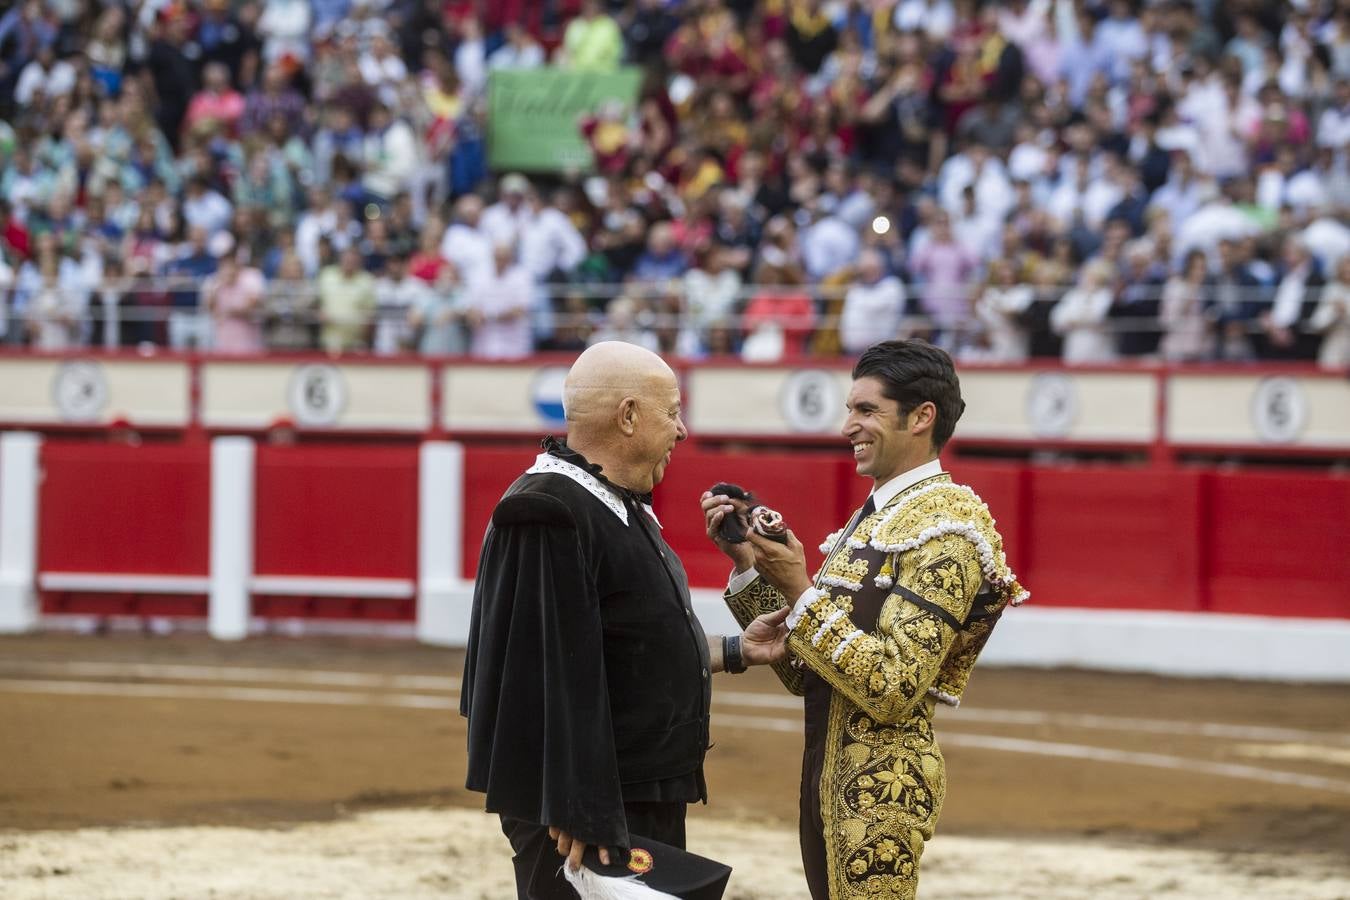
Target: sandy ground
<point>177,767</point>
<point>460,854</point>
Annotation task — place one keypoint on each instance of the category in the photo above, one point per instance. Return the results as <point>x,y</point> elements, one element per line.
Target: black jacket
<point>587,676</point>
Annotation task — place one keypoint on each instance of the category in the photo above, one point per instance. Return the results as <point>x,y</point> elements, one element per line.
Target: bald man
<point>587,680</point>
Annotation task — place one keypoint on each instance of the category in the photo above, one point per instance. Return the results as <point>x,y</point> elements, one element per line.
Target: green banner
<point>535,115</point>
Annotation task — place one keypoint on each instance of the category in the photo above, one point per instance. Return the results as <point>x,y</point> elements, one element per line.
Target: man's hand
<point>573,849</point>
<point>716,507</point>
<point>764,640</point>
<point>782,565</point>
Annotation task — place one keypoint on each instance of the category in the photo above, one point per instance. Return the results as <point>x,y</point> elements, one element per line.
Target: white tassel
<point>594,886</point>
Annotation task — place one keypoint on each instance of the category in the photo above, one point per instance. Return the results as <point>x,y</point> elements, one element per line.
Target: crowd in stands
<point>1091,179</point>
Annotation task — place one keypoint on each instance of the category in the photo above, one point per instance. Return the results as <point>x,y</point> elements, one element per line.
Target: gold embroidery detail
<point>843,570</point>
<point>754,600</point>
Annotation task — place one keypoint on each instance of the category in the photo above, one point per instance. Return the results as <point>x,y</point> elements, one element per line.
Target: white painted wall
<point>19,474</point>
<point>442,598</point>
<point>232,524</point>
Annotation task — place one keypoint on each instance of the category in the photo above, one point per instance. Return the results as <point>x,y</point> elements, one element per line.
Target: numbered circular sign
<point>317,395</point>
<point>1052,404</point>
<point>80,391</point>
<point>810,401</point>
<point>1279,410</point>
<point>546,394</point>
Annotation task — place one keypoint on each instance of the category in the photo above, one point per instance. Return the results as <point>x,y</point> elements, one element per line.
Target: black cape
<point>586,677</point>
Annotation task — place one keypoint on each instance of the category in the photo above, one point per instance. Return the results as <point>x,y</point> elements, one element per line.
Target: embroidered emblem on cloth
<point>639,861</point>
<point>547,463</point>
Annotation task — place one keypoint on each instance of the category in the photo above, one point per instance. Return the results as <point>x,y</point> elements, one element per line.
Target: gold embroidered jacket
<point>936,553</point>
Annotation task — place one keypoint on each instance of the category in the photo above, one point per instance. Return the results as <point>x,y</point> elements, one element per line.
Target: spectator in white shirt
<point>1181,194</point>
<point>936,18</point>
<point>397,295</point>
<point>383,69</point>
<point>1294,296</point>
<point>44,79</point>
<point>1188,333</point>
<point>520,51</point>
<point>873,305</point>
<point>711,288</point>
<point>1120,38</point>
<point>549,242</point>
<point>621,324</point>
<point>57,306</point>
<point>828,246</point>
<point>390,152</point>
<point>1332,319</point>
<point>1081,317</point>
<point>1333,128</point>
<point>502,221</point>
<point>6,286</point>
<point>205,208</point>
<point>1000,309</point>
<point>498,309</point>
<point>284,27</point>
<point>471,56</point>
<point>465,246</point>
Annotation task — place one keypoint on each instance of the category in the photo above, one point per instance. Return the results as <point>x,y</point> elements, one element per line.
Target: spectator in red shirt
<point>216,102</point>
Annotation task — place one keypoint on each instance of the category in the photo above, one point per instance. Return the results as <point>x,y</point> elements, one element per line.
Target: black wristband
<point>732,661</point>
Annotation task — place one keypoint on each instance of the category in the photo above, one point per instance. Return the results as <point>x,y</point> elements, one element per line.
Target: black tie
<point>868,508</point>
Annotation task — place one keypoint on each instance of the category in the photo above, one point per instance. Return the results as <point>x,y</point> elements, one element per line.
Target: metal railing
<point>123,313</point>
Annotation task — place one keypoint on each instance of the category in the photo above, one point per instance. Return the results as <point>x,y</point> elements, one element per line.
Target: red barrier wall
<point>114,508</point>
<point>1106,536</point>
<point>1098,536</point>
<point>333,512</point>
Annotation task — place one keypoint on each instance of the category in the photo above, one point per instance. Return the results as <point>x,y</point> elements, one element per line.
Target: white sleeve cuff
<point>741,580</point>
<point>809,596</point>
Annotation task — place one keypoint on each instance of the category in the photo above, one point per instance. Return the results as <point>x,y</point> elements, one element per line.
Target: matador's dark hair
<point>913,372</point>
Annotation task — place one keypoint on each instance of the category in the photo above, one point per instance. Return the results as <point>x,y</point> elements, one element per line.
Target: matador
<point>889,627</point>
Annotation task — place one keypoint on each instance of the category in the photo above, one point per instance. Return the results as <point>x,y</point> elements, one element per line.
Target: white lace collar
<point>546,462</point>
<point>885,493</point>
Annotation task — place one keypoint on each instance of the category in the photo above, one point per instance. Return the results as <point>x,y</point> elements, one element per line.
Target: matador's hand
<point>716,507</point>
<point>782,565</point>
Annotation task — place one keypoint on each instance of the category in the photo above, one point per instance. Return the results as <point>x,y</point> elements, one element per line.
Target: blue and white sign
<point>547,394</point>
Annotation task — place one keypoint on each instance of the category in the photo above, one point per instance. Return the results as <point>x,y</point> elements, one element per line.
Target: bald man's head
<point>622,404</point>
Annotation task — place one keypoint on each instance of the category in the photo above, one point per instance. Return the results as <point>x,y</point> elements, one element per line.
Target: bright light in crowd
<point>372,210</point>
<point>881,224</point>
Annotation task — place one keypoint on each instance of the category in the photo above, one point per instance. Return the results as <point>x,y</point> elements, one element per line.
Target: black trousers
<point>538,865</point>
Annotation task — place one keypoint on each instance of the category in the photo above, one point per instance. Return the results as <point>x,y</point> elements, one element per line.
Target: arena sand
<point>461,854</point>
